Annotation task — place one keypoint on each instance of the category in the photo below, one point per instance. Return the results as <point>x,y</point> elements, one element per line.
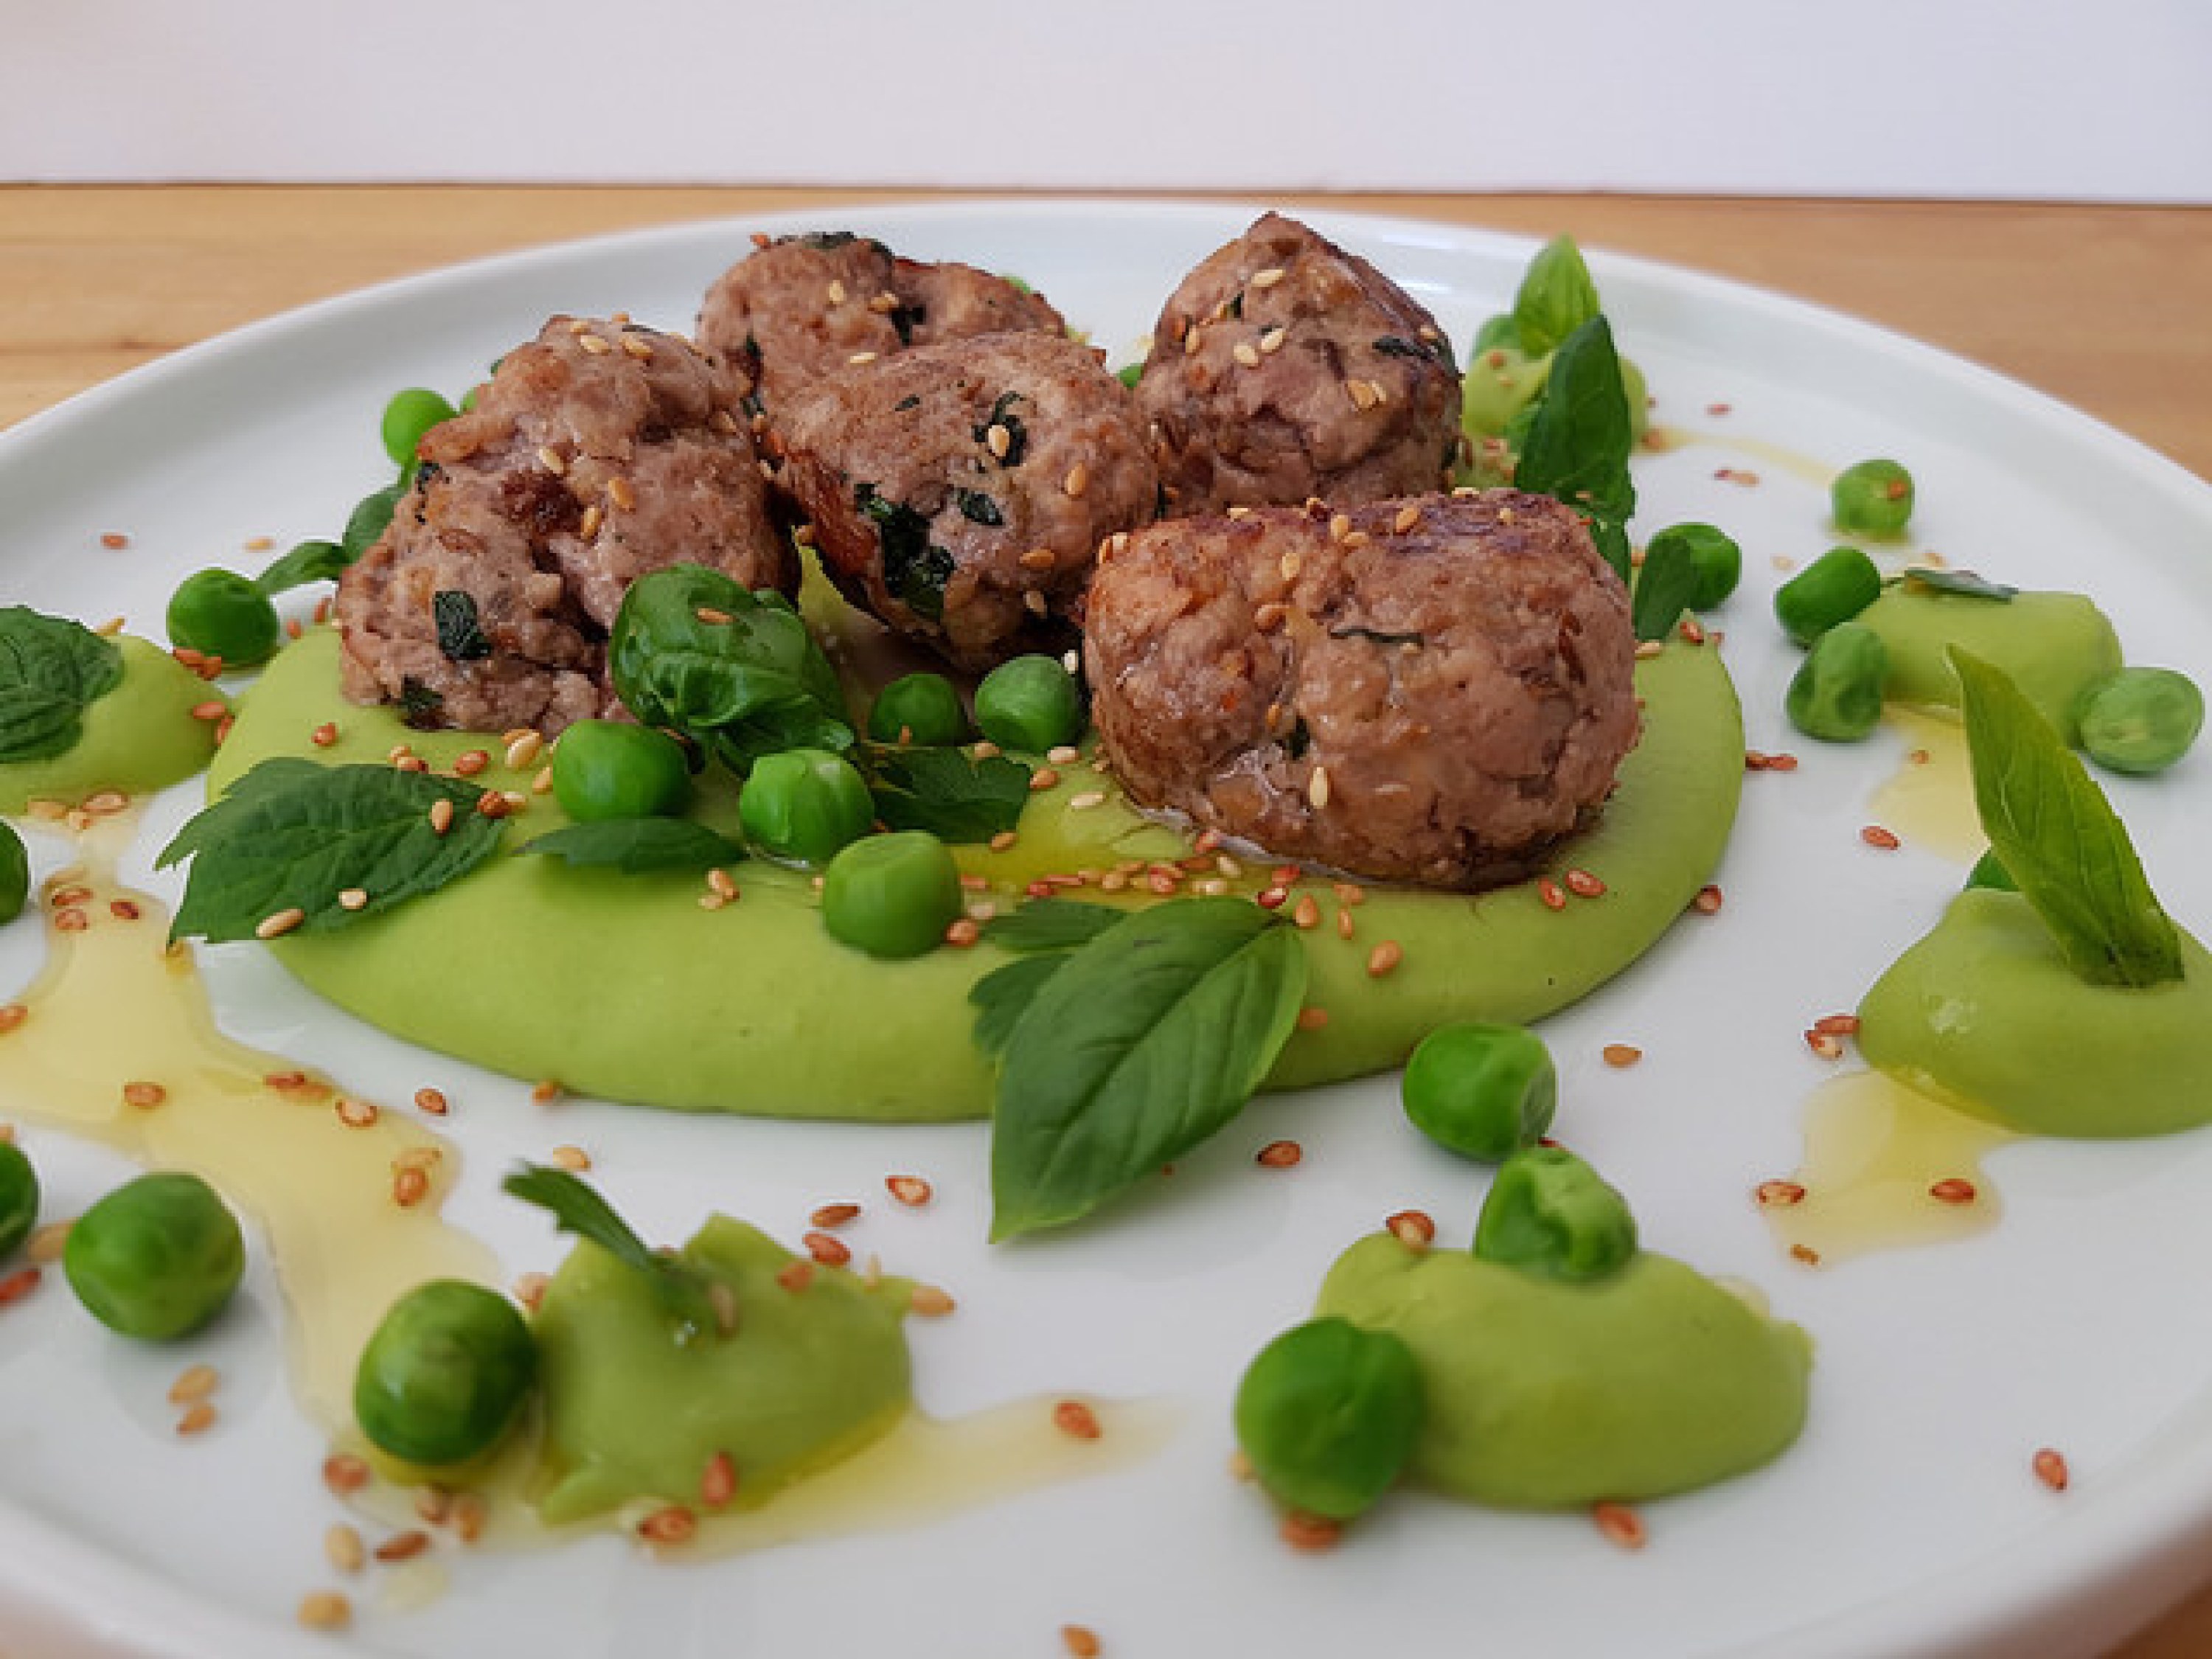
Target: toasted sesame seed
<point>324,1610</point>
<point>345,1474</point>
<point>928,1302</point>
<point>1312,1019</point>
<point>1837,1024</point>
<point>827,1248</point>
<point>1034,601</point>
<point>635,345</point>
<point>861,359</point>
<point>1806,1254</point>
<point>198,1418</point>
<point>1279,1155</point>
<point>1708,901</point>
<point>2051,1469</point>
<point>432,1101</point>
<point>470,763</point>
<point>621,493</point>
<point>70,920</point>
<point>20,1284</point>
<point>1272,341</point>
<point>1267,277</point>
<point>441,815</point>
<point>1043,778</point>
<point>409,1187</point>
<point>1619,1524</point>
<point>1384,958</point>
<point>530,1288</point>
<point>1583,884</point>
<point>998,440</point>
<point>1076,1419</point>
<point>1038,558</point>
<point>1825,1044</point>
<point>12,1014</point>
<point>1952,1189</point>
<point>1310,1533</point>
<point>143,1095</point>
<point>281,921</point>
<point>1307,912</point>
<point>344,1549</point>
<point>1874,835</point>
<point>1084,801</point>
<point>1620,1056</point>
<point>1415,1229</point>
<point>796,1275</point>
<point>1408,519</point>
<point>1246,353</point>
<point>355,1114</point>
<point>718,1481</point>
<point>1077,481</point>
<point>47,1243</point>
<point>1778,1195</point>
<point>571,1158</point>
<point>1317,787</point>
<point>1647,649</point>
<point>595,345</point>
<point>551,460</point>
<point>403,1546</point>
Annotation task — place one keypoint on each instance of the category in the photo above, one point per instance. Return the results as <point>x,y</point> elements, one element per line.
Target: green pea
<point>1549,1213</point>
<point>409,415</point>
<point>1714,556</point>
<point>1481,1090</point>
<point>613,770</point>
<point>919,709</point>
<point>1328,1414</point>
<point>1835,693</point>
<point>19,1198</point>
<point>225,615</point>
<point>1834,588</point>
<point>157,1258</point>
<point>445,1374</point>
<point>2139,720</point>
<point>1031,703</point>
<point>14,873</point>
<point>1873,498</point>
<point>891,896</point>
<point>804,804</point>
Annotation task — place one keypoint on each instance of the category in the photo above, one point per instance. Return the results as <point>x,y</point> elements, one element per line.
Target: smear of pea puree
<point>1540,1393</point>
<point>624,987</point>
<point>140,736</point>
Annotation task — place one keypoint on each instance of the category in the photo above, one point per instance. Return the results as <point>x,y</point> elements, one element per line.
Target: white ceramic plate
<point>1905,1523</point>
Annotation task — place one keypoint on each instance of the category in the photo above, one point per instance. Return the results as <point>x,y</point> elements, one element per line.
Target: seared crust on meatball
<point>1431,690</point>
<point>1285,368</point>
<point>598,452</point>
<point>959,491</point>
<point>804,306</point>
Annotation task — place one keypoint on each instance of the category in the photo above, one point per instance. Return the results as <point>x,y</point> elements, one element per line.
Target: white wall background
<point>2108,100</point>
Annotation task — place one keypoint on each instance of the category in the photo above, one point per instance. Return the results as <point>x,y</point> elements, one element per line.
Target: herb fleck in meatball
<point>959,491</point>
<point>1285,368</point>
<point>804,306</point>
<point>1434,690</point>
<point>598,452</point>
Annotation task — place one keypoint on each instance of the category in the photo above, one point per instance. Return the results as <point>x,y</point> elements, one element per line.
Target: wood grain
<point>2105,308</point>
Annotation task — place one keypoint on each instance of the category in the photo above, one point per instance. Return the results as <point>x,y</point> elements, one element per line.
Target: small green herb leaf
<point>978,508</point>
<point>914,569</point>
<point>308,561</point>
<point>1557,296</point>
<point>947,792</point>
<point>1001,996</point>
<point>1577,442</point>
<point>1663,587</point>
<point>639,846</point>
<point>578,1209</point>
<point>1928,578</point>
<point>294,835</point>
<point>369,520</point>
<point>460,634</point>
<point>50,670</point>
<point>2059,840</point>
<point>1139,1045</point>
<point>735,672</point>
<point>1051,925</point>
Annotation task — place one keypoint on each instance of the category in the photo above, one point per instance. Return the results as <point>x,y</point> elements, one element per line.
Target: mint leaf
<point>1928,579</point>
<point>293,835</point>
<point>1557,296</point>
<point>2058,837</point>
<point>306,561</point>
<point>1664,589</point>
<point>639,846</point>
<point>1003,995</point>
<point>1136,1047</point>
<point>577,1208</point>
<point>947,792</point>
<point>50,670</point>
<point>1579,439</point>
<point>1051,925</point>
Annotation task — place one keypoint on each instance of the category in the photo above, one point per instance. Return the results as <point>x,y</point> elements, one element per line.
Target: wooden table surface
<point>2108,308</point>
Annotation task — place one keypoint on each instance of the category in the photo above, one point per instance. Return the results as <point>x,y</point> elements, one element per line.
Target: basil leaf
<point>1051,925</point>
<point>1140,1045</point>
<point>576,1208</point>
<point>735,672</point>
<point>947,792</point>
<point>639,846</point>
<point>308,562</point>
<point>2058,837</point>
<point>1964,583</point>
<point>1579,439</point>
<point>1557,296</point>
<point>1663,587</point>
<point>1003,995</point>
<point>50,670</point>
<point>291,833</point>
<point>370,517</point>
<point>1498,332</point>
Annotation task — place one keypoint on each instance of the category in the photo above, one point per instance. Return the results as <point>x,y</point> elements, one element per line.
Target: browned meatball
<point>959,491</point>
<point>799,308</point>
<point>1285,368</point>
<point>598,452</point>
<point>1433,689</point>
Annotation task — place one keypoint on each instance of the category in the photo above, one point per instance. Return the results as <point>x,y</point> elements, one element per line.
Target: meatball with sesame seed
<point>804,306</point>
<point>597,451</point>
<point>1285,368</point>
<point>1433,690</point>
<point>959,491</point>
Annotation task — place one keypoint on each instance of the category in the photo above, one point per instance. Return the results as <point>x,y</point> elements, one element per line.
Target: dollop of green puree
<point>621,986</point>
<point>2053,646</point>
<point>1984,1014</point>
<point>1543,1394</point>
<point>809,1375</point>
<point>138,737</point>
